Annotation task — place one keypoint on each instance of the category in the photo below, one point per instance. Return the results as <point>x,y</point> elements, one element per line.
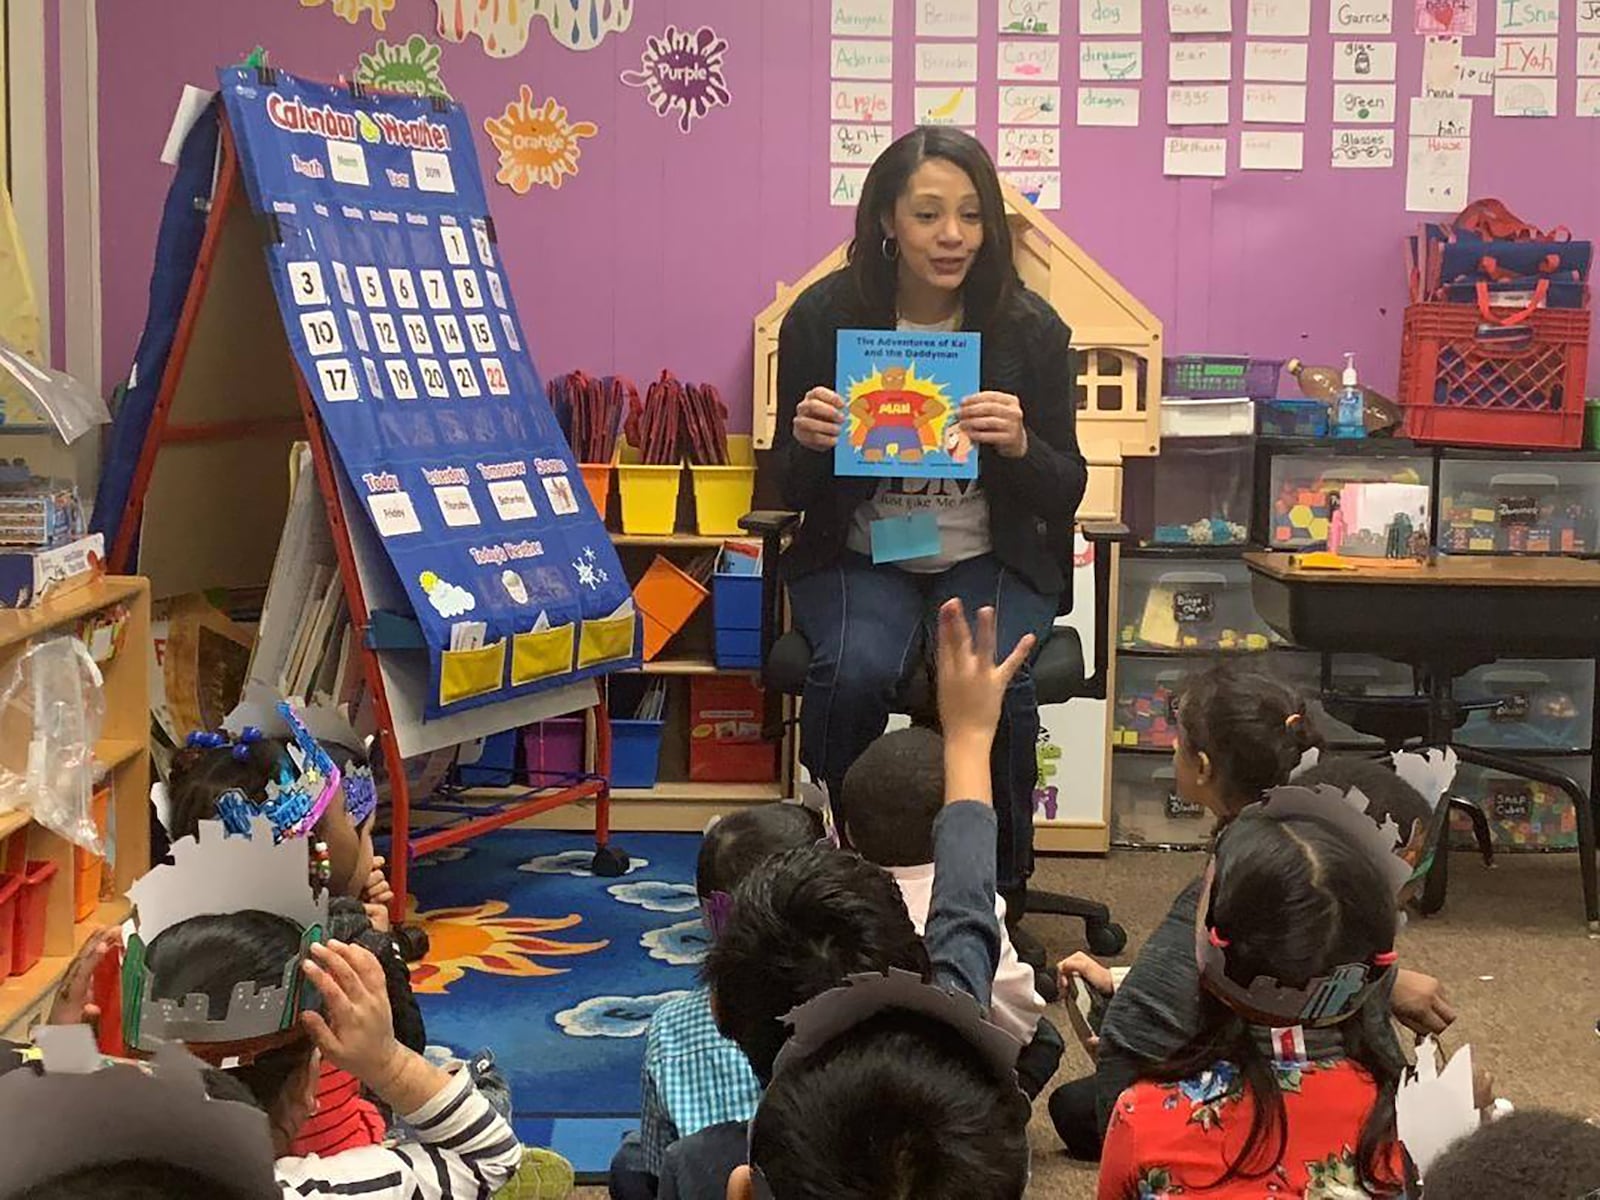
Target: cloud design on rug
<point>654,896</point>
<point>578,863</point>
<point>681,945</point>
<point>438,857</point>
<point>613,1016</point>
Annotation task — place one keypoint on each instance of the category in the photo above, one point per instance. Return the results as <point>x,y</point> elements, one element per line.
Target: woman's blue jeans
<point>869,628</point>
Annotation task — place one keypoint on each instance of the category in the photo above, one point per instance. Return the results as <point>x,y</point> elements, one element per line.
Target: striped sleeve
<point>464,1151</point>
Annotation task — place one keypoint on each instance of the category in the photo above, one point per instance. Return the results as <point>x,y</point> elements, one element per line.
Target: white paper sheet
<point>1588,99</point>
<point>1588,16</point>
<point>1200,16</point>
<point>1029,104</point>
<point>1028,60</point>
<point>1520,58</point>
<point>1527,16</point>
<point>953,105</point>
<point>1363,103</point>
<point>1475,76</point>
<point>863,18</point>
<point>1364,149</point>
<point>844,186</point>
<point>947,18</point>
<point>1114,106</point>
<point>1100,17</point>
<point>1434,1108</point>
<point>1201,104</point>
<point>1028,147</point>
<point>1275,62</point>
<point>1363,62</point>
<point>1440,118</point>
<point>1190,156</point>
<point>947,62</point>
<point>862,60</point>
<point>1275,103</point>
<point>1436,174</point>
<point>858,145</point>
<point>191,104</point>
<point>1038,18</point>
<point>1271,150</point>
<point>856,101</point>
<point>1041,188</point>
<point>1441,59</point>
<point>1360,18</point>
<point>1588,56</point>
<point>1114,62</point>
<point>1524,97</point>
<point>1278,18</point>
<point>1199,62</point>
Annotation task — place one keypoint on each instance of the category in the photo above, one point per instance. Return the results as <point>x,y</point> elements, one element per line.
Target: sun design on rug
<point>478,938</point>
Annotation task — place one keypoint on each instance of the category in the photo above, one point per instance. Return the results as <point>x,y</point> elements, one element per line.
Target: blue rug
<point>558,971</point>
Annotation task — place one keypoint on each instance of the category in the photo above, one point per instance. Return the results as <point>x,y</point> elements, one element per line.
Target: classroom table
<point>1445,618</point>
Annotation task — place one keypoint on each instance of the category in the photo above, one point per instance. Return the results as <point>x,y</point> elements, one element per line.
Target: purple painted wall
<point>661,250</point>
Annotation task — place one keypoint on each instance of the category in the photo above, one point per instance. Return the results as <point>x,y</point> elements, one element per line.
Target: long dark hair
<point>1294,899</point>
<point>1252,727</point>
<point>992,279</point>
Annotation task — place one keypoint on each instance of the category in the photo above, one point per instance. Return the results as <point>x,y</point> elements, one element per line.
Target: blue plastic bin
<point>635,753</point>
<point>736,617</point>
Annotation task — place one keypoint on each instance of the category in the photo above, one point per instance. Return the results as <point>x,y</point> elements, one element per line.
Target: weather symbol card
<point>902,391</point>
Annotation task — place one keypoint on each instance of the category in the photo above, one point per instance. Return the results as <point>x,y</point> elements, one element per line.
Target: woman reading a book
<point>877,554</point>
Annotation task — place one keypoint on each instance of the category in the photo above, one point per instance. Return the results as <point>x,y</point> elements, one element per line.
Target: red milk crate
<point>1513,379</point>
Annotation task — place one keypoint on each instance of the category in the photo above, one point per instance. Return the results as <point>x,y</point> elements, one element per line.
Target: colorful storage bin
<point>736,611</point>
<point>1299,485</point>
<point>666,598</point>
<point>649,494</point>
<point>1146,707</point>
<point>1227,375</point>
<point>1507,506</point>
<point>1523,815</point>
<point>726,716</point>
<point>1200,605</point>
<point>553,748</point>
<point>722,494</point>
<point>30,914</point>
<point>1545,704</point>
<point>1195,493</point>
<point>635,753</point>
<point>597,481</point>
<point>1146,810</point>
<point>88,866</point>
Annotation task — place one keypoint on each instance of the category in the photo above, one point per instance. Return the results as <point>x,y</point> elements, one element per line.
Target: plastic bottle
<point>1349,414</point>
<point>1327,384</point>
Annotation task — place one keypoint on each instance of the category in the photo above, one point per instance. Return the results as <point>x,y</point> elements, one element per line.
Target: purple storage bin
<point>553,748</point>
<point>1207,376</point>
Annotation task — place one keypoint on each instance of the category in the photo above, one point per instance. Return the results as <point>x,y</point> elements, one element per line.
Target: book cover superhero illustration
<point>902,391</point>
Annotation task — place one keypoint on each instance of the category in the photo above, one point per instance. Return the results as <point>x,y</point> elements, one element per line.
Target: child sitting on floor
<point>1296,932</point>
<point>887,806</point>
<point>894,1084</point>
<point>693,1077</point>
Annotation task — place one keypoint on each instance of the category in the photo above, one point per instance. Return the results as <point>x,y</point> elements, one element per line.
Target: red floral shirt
<point>1176,1139</point>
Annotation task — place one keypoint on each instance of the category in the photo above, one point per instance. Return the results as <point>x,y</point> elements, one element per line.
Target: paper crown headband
<point>217,874</point>
<point>1327,999</point>
<point>82,1111</point>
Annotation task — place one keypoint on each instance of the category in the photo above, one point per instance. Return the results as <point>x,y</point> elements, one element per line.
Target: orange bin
<point>32,908</point>
<point>666,598</point>
<point>88,867</point>
<point>597,478</point>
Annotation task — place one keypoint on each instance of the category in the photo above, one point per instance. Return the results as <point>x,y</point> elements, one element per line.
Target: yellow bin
<point>722,494</point>
<point>649,493</point>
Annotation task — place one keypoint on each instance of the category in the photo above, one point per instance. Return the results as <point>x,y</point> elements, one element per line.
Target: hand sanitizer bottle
<point>1349,415</point>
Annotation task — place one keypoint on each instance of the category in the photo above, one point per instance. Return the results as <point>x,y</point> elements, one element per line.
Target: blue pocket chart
<point>397,308</point>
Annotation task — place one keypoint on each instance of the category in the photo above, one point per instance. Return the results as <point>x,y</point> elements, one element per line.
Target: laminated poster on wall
<point>681,74</point>
<point>410,68</point>
<point>901,390</point>
<point>503,28</point>
<point>397,310</point>
<point>539,144</point>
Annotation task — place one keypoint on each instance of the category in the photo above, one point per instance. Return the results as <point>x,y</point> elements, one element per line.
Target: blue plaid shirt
<point>693,1077</point>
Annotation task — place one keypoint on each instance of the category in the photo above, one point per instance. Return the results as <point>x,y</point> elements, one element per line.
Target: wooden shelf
<point>683,541</point>
<point>20,624</point>
<point>21,992</point>
<point>111,753</point>
<point>16,819</point>
<point>688,666</point>
<point>688,790</point>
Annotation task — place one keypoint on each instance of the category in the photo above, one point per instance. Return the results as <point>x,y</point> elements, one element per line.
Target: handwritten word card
<point>1275,62</point>
<point>1275,103</point>
<point>1190,156</point>
<point>1114,61</point>
<point>1475,76</point>
<point>1363,103</point>
<point>1197,105</point>
<point>1200,16</point>
<point>1589,97</point>
<point>1527,16</point>
<point>1436,174</point>
<point>844,186</point>
<point>1524,97</point>
<point>863,60</point>
<point>1098,18</point>
<point>1588,56</point>
<point>1024,104</point>
<point>1033,60</point>
<point>1588,16</point>
<point>858,145</point>
<point>947,106</point>
<point>862,101</point>
<point>863,18</point>
<point>1042,189</point>
<point>1440,118</point>
<point>1363,148</point>
<point>1278,18</point>
<point>1199,62</point>
<point>1110,106</point>
<point>947,18</point>
<point>1037,18</point>
<point>947,62</point>
<point>1028,146</point>
<point>1370,62</point>
<point>1271,150</point>
<point>1441,58</point>
<point>1456,17</point>
<point>1357,18</point>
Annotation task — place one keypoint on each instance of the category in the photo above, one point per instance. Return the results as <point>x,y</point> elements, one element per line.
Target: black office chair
<point>1058,676</point>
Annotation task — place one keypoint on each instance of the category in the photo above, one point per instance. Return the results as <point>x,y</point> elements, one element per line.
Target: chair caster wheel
<point>1106,940</point>
<point>609,862</point>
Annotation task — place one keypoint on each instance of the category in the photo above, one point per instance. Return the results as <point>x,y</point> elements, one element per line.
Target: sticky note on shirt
<point>895,539</point>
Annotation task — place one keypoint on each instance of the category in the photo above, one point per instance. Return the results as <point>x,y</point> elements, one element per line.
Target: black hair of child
<point>733,847</point>
<point>201,775</point>
<point>900,1105</point>
<point>137,1180</point>
<point>1387,794</point>
<point>1295,899</point>
<point>801,923</point>
<point>1251,726</point>
<point>891,797</point>
<point>1530,1153</point>
<point>207,955</point>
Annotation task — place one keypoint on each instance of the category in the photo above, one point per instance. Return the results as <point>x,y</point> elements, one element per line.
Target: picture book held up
<point>902,391</point>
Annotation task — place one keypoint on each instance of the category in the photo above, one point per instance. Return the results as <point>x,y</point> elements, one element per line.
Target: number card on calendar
<point>396,306</point>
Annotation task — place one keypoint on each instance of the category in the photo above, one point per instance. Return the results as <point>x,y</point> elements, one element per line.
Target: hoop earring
<point>891,249</point>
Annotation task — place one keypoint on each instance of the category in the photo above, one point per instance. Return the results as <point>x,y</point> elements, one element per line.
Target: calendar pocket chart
<point>384,262</point>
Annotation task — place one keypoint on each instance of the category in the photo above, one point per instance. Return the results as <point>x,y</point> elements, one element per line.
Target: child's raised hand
<point>355,1030</point>
<point>971,683</point>
<point>72,1005</point>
